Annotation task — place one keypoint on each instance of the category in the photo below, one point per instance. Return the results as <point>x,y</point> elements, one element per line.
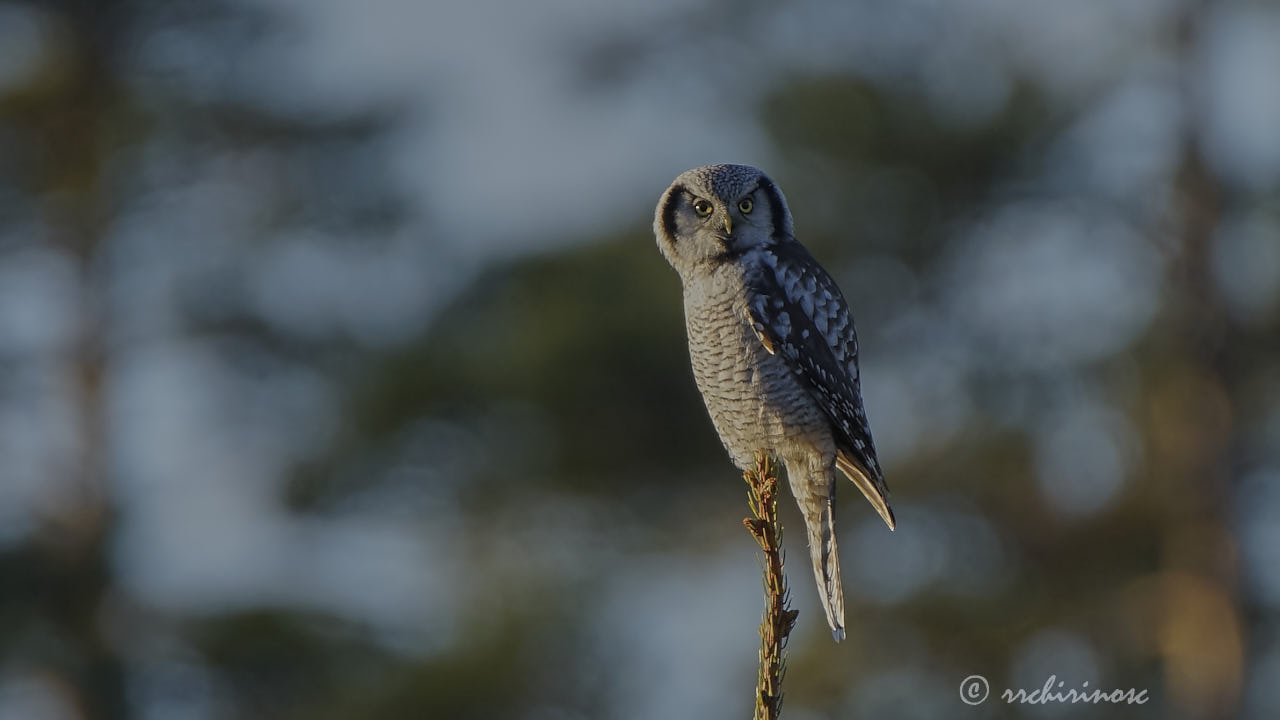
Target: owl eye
<point>745,205</point>
<point>702,207</point>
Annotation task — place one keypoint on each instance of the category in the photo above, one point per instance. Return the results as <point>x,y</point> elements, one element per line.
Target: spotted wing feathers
<point>799,314</point>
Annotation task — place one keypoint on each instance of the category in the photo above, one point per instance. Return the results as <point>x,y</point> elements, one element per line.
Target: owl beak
<point>728,225</point>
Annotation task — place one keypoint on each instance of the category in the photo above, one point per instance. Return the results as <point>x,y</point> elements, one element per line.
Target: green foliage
<point>591,338</point>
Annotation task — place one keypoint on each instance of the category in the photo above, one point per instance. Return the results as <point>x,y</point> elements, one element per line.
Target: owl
<point>773,349</point>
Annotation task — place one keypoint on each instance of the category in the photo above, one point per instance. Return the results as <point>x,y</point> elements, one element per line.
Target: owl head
<point>714,213</point>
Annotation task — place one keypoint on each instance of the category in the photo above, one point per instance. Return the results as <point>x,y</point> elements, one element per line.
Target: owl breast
<point>755,401</point>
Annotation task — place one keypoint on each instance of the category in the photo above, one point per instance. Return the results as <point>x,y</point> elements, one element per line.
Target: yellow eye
<point>745,205</point>
<point>702,207</point>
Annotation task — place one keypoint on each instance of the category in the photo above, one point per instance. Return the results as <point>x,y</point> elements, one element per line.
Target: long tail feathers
<point>815,493</point>
<point>876,492</point>
<point>826,565</point>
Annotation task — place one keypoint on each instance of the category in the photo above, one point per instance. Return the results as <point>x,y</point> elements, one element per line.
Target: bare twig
<point>762,497</point>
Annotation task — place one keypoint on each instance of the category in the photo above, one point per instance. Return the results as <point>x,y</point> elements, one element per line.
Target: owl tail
<point>817,504</point>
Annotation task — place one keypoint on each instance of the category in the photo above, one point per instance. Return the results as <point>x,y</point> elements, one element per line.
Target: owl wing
<point>800,315</point>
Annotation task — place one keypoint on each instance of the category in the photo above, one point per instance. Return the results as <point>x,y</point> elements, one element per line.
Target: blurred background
<point>341,377</point>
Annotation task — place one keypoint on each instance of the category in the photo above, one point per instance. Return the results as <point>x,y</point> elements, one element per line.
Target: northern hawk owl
<point>773,349</point>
